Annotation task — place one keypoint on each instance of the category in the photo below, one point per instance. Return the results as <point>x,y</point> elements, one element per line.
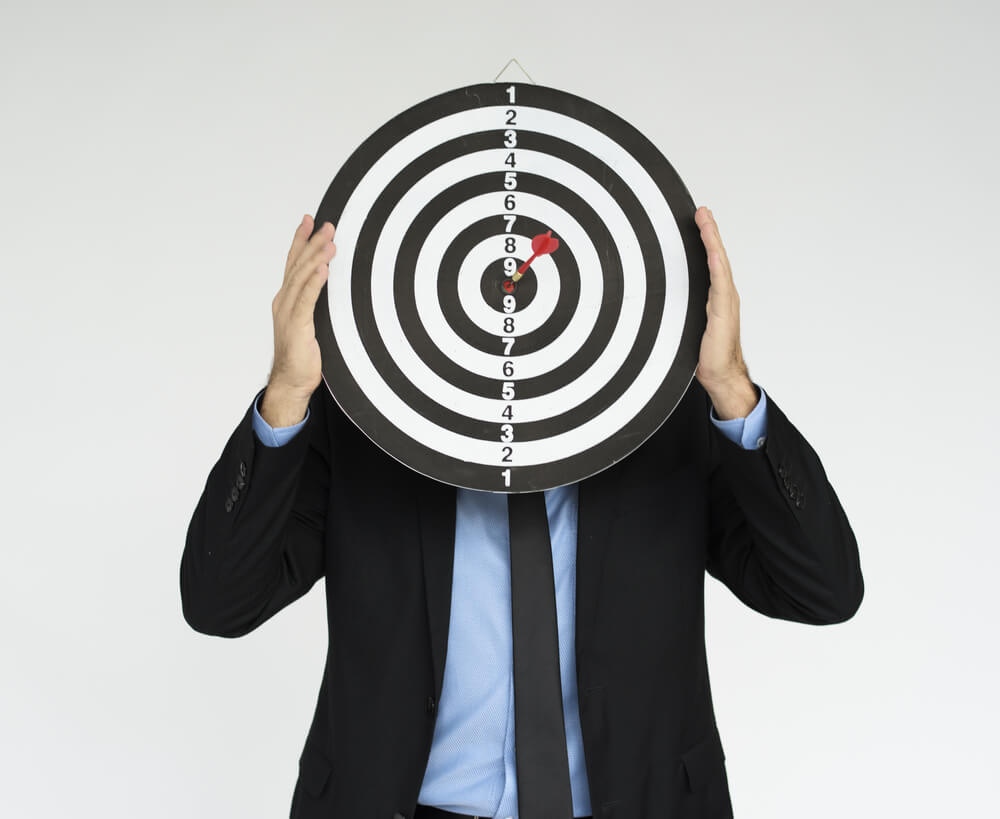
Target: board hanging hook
<point>516,62</point>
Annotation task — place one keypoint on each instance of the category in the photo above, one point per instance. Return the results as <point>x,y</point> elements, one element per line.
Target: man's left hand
<point>721,369</point>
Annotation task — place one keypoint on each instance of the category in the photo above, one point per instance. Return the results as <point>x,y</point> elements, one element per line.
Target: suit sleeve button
<point>234,494</point>
<point>240,482</point>
<point>243,469</point>
<point>229,505</point>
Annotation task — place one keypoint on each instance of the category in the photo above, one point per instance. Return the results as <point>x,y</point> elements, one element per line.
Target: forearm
<point>780,537</point>
<point>255,540</point>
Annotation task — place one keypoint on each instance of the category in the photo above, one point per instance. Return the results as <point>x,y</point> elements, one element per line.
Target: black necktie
<point>543,787</point>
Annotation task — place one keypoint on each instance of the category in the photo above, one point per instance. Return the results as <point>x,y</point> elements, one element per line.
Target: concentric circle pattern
<point>519,289</point>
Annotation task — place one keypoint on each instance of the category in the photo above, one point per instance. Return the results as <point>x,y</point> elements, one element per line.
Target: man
<point>415,712</point>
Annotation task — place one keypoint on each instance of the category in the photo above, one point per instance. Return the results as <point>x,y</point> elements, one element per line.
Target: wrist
<point>282,407</point>
<point>734,399</point>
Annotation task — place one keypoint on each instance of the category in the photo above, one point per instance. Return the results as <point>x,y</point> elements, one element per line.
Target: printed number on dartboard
<point>507,390</point>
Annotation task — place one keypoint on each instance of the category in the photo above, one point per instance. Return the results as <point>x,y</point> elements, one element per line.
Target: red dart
<point>543,243</point>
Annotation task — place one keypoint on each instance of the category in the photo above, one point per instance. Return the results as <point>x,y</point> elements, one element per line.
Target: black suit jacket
<point>330,504</point>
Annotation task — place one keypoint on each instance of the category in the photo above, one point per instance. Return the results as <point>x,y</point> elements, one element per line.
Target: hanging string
<point>513,60</point>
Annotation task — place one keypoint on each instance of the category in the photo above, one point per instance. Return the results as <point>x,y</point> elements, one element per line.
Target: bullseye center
<point>495,285</point>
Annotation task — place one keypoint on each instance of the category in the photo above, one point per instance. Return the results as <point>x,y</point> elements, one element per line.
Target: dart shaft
<point>524,267</point>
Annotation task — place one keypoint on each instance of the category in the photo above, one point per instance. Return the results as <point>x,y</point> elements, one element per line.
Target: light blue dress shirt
<point>471,769</point>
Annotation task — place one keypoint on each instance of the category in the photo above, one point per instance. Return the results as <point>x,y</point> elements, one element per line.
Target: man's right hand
<point>297,368</point>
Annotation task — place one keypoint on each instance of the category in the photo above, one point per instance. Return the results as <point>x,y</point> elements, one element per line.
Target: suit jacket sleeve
<point>779,538</point>
<point>256,540</point>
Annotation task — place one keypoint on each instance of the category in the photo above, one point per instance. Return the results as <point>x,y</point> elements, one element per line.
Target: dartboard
<point>518,295</point>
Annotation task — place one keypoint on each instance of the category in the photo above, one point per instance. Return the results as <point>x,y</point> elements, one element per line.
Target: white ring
<point>486,318</point>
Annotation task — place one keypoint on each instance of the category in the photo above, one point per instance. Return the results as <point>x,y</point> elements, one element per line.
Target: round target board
<point>518,295</point>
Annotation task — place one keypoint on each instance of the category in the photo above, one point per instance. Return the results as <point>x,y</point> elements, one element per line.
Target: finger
<point>319,251</point>
<point>711,238</point>
<point>308,256</point>
<point>307,252</point>
<point>298,241</point>
<point>305,302</point>
<point>723,300</point>
<point>720,283</point>
<point>292,289</point>
<point>709,231</point>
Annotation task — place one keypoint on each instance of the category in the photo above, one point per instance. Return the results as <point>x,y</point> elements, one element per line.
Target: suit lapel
<point>436,507</point>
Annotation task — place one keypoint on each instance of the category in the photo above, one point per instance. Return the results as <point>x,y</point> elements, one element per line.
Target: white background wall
<point>156,159</point>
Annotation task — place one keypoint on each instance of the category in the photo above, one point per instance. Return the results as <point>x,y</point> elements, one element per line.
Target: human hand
<point>721,368</point>
<point>297,367</point>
